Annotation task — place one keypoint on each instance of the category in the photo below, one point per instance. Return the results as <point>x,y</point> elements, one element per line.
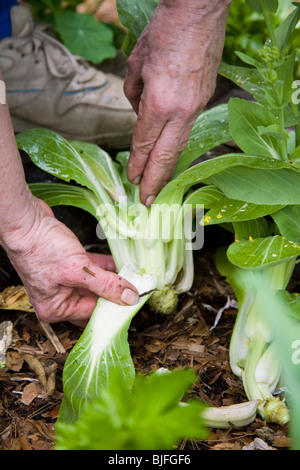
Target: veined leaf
<point>256,228</point>
<point>85,36</point>
<point>107,171</point>
<point>55,155</point>
<point>148,416</point>
<point>250,80</point>
<point>58,194</point>
<point>245,118</point>
<point>134,15</point>
<point>246,78</point>
<point>102,350</point>
<point>210,130</point>
<point>279,186</point>
<point>206,195</point>
<point>284,31</point>
<point>257,5</point>
<point>231,210</point>
<point>206,171</point>
<point>262,252</point>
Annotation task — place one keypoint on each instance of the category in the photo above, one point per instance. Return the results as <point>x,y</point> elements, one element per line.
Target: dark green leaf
<point>148,417</point>
<point>285,30</point>
<point>55,155</point>
<point>256,228</point>
<point>285,78</point>
<point>134,15</point>
<point>246,78</point>
<point>206,195</point>
<point>266,187</point>
<point>210,130</point>
<point>230,210</point>
<point>257,5</point>
<point>57,194</point>
<point>238,166</point>
<point>262,252</point>
<point>288,222</point>
<point>85,36</point>
<point>245,117</point>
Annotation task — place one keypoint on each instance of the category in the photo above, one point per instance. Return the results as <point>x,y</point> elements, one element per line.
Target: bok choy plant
<point>269,127</point>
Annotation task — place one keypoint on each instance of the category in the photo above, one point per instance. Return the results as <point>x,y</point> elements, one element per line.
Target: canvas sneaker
<point>49,87</point>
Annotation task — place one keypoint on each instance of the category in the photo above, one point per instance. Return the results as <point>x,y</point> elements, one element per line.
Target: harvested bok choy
<point>252,353</point>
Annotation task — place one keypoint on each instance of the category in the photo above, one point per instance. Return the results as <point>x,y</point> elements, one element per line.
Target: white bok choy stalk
<point>252,353</point>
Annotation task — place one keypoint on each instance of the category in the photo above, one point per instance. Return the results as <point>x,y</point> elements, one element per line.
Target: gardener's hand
<point>62,280</point>
<point>171,76</point>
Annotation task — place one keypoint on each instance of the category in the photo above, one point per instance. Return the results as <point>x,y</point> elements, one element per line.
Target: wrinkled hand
<point>62,280</point>
<point>170,78</point>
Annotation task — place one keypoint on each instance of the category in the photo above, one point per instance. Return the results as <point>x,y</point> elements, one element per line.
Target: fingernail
<point>129,297</point>
<point>137,180</point>
<point>150,200</point>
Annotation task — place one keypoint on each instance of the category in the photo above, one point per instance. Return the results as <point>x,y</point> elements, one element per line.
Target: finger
<point>67,305</point>
<point>162,160</point>
<point>105,284</point>
<point>80,308</point>
<point>147,131</point>
<point>133,84</point>
<point>103,261</point>
<point>133,89</point>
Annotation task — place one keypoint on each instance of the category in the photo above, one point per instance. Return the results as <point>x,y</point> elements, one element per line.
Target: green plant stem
<point>283,143</point>
<point>297,129</point>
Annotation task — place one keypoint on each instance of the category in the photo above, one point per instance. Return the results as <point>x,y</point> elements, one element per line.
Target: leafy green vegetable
<point>247,119</point>
<point>260,5</point>
<point>253,356</point>
<point>85,36</point>
<point>288,222</point>
<point>277,311</point>
<point>56,194</point>
<point>101,351</point>
<point>232,210</point>
<point>134,15</point>
<point>261,252</point>
<point>150,416</point>
<point>81,33</point>
<point>210,130</point>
